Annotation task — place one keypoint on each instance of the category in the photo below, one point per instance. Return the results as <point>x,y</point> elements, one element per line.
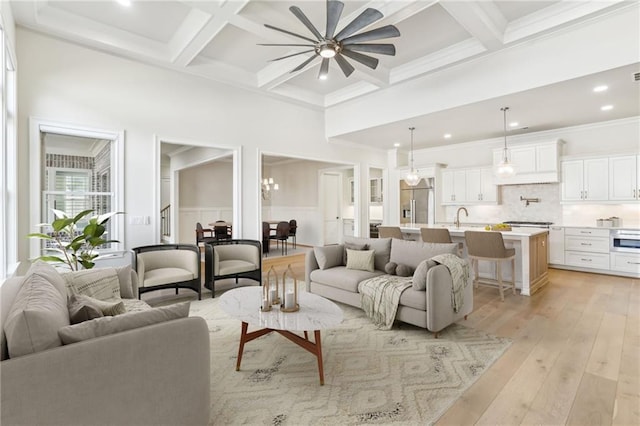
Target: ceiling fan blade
<point>381,49</point>
<point>283,44</point>
<point>307,23</point>
<point>345,66</point>
<point>304,64</point>
<point>334,10</point>
<point>294,54</point>
<point>290,33</point>
<point>369,61</point>
<point>388,31</point>
<point>324,69</point>
<point>369,16</point>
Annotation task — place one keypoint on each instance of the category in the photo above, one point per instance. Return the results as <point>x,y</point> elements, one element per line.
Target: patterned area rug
<point>401,376</point>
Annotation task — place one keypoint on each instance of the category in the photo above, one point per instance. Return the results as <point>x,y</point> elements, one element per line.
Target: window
<point>78,170</point>
<point>8,161</point>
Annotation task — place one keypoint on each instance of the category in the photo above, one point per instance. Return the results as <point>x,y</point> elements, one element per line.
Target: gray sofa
<point>152,374</point>
<point>430,308</point>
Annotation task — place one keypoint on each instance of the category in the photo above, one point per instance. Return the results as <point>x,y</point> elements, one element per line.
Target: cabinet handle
<point>585,244</point>
<point>585,260</point>
<point>633,263</point>
<point>585,232</point>
<point>585,195</point>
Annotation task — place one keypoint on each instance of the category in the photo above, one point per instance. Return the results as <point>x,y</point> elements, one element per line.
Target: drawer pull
<point>585,232</point>
<point>633,263</point>
<point>586,260</point>
<point>585,244</point>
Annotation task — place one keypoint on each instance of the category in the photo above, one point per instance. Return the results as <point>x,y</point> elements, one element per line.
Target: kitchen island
<point>531,253</point>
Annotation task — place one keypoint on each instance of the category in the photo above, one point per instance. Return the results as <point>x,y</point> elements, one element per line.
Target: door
<point>331,196</point>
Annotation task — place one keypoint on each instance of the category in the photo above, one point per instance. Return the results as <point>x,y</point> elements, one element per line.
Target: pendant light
<point>412,178</point>
<point>505,169</point>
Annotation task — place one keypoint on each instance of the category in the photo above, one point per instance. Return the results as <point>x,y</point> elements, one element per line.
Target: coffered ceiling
<point>219,40</point>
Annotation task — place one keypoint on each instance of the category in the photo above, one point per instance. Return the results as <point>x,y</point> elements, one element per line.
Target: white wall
<point>63,82</point>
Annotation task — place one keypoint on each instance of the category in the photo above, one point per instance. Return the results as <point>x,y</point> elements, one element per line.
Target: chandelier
<point>268,185</point>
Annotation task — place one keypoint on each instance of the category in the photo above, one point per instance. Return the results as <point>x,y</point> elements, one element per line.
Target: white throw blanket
<point>380,297</point>
<point>459,270</point>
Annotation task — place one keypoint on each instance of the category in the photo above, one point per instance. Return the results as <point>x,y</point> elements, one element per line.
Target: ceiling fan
<point>345,43</point>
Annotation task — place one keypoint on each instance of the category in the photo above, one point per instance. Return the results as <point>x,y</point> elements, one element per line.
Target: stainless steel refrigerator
<point>417,203</point>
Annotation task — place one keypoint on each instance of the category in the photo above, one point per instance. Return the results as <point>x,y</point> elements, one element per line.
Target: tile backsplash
<point>548,209</point>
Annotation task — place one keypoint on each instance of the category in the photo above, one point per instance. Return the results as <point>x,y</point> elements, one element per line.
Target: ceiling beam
<point>208,27</point>
<point>482,20</point>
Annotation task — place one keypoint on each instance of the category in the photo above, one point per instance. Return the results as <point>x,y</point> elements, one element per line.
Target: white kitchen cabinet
<point>480,187</point>
<point>375,190</point>
<point>556,245</point>
<point>585,180</point>
<point>587,248</point>
<point>534,163</point>
<point>624,178</point>
<point>454,187</point>
<point>625,262</point>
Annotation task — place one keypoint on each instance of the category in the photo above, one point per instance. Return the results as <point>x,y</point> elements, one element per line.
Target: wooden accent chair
<point>203,234</point>
<point>489,246</point>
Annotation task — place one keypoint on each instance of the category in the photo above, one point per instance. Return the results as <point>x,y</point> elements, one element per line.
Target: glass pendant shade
<point>412,178</point>
<point>505,169</point>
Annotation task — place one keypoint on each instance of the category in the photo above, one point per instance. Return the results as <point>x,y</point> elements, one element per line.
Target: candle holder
<point>290,296</point>
<point>272,291</point>
<point>265,305</point>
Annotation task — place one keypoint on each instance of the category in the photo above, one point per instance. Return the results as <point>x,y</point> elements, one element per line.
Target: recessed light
<point>514,124</point>
<point>396,144</point>
<point>126,3</point>
<point>600,88</point>
<point>447,135</point>
<point>606,107</point>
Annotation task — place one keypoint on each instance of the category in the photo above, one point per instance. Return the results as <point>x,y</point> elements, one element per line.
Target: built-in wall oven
<point>625,240</point>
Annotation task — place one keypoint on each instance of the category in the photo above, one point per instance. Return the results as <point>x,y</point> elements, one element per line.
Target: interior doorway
<point>331,184</point>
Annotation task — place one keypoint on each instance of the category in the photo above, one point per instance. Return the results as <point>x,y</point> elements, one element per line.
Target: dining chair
<point>489,247</point>
<point>221,230</point>
<point>282,235</point>
<point>203,235</point>
<point>266,237</point>
<point>435,235</point>
<point>293,227</point>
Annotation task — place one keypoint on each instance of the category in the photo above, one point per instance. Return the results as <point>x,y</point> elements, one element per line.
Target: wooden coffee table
<point>316,313</point>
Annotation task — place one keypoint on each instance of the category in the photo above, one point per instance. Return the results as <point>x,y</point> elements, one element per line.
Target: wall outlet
<point>137,220</point>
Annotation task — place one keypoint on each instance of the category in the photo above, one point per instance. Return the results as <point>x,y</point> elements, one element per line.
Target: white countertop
<point>459,232</point>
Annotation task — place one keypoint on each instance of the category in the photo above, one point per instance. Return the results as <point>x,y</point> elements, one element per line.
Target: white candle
<point>289,302</point>
<point>272,295</point>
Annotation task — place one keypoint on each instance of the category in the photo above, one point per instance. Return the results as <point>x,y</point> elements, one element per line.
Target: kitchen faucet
<point>457,222</point>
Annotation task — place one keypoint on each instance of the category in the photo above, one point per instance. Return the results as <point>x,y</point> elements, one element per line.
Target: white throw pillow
<point>362,260</point>
<point>99,283</point>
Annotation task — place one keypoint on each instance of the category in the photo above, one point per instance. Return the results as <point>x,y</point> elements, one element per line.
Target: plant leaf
<point>52,259</point>
<point>81,215</point>
<point>59,214</point>
<point>59,224</point>
<point>106,216</point>
<point>39,235</point>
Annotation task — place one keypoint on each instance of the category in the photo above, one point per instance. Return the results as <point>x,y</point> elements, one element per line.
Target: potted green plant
<point>77,249</point>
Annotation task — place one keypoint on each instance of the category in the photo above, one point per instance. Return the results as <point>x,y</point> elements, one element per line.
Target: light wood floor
<point>575,357</point>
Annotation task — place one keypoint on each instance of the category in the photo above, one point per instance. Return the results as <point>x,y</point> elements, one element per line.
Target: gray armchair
<point>232,259</point>
<point>168,266</point>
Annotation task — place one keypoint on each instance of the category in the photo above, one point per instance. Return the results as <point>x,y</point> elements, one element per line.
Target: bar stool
<point>489,246</point>
<point>435,235</point>
<point>390,232</point>
<point>439,236</point>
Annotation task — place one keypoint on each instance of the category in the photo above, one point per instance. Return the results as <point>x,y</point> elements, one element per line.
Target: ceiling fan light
<point>327,51</point>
